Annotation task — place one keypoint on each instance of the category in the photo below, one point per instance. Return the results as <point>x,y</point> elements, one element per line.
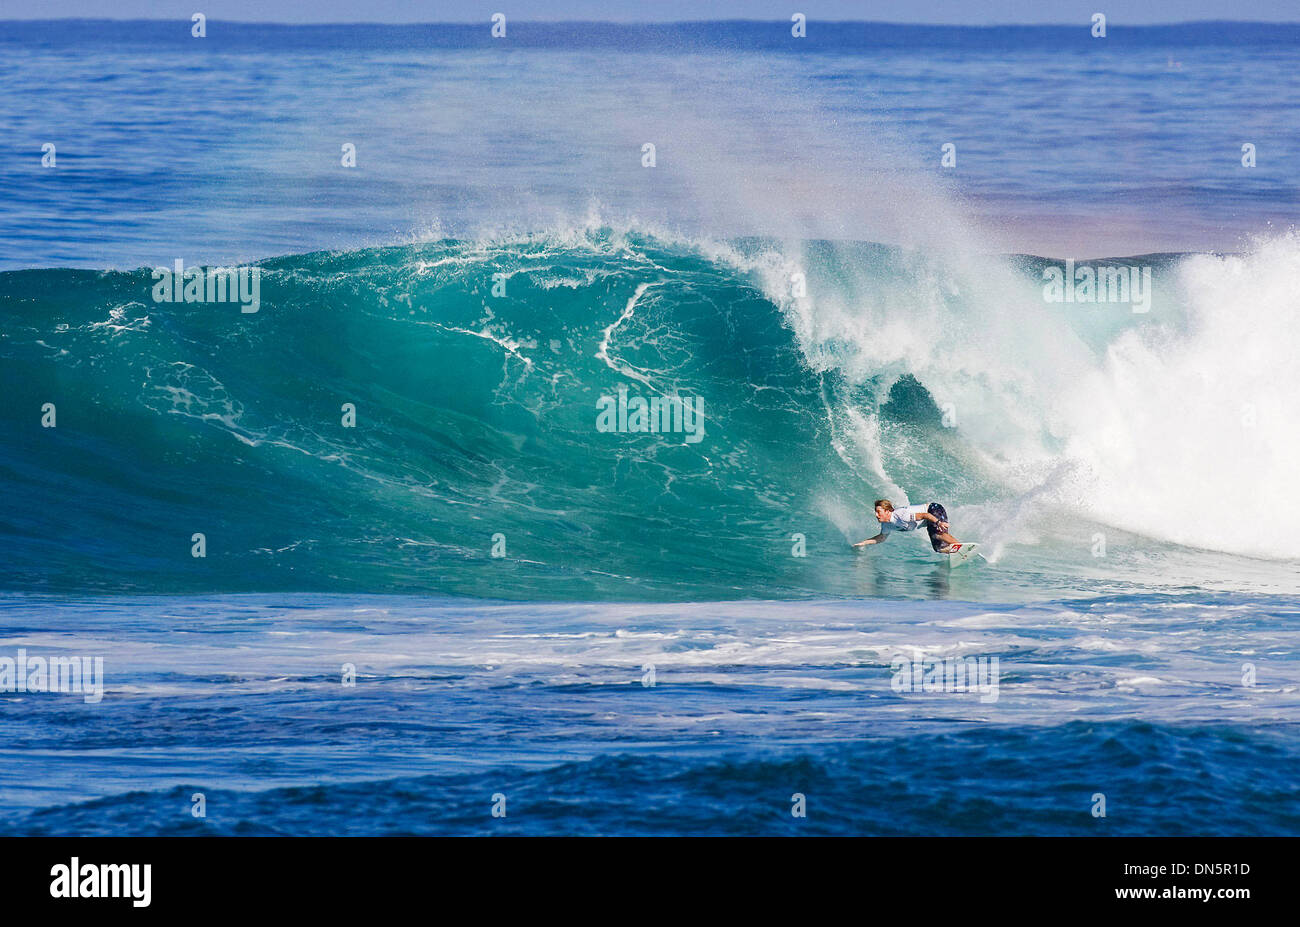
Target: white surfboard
<point>969,551</point>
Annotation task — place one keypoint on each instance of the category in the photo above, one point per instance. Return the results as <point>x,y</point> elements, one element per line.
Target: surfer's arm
<point>878,539</point>
<point>926,516</point>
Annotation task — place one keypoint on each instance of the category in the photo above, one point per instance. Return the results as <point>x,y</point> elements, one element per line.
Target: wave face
<point>1170,432</point>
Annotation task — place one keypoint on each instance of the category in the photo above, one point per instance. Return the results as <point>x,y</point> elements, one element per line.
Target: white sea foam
<point>1181,428</point>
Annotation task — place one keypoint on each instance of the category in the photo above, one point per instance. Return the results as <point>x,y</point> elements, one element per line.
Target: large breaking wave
<point>881,372</point>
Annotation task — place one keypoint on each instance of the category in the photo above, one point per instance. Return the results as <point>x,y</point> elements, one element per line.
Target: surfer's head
<point>884,509</point>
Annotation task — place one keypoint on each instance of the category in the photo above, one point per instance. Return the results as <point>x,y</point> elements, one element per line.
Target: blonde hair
<point>885,504</point>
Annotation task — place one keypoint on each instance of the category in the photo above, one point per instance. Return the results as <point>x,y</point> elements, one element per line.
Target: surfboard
<point>969,551</point>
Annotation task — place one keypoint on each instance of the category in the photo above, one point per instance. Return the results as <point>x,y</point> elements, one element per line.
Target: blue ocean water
<point>238,698</point>
<point>624,632</point>
<point>228,148</point>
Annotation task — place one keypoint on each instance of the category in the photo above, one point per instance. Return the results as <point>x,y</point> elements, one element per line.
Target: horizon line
<point>673,22</point>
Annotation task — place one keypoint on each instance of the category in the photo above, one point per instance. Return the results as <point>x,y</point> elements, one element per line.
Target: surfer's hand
<point>943,526</point>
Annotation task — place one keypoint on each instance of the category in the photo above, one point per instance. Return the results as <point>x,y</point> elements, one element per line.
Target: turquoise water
<point>477,426</point>
<point>397,463</point>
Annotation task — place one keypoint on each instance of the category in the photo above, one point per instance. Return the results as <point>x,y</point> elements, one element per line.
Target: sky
<point>961,12</point>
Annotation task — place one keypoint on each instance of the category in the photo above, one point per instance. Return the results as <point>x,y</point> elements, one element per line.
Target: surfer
<point>909,518</point>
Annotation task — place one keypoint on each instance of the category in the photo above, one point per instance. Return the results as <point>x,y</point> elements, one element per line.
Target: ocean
<point>508,484</point>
